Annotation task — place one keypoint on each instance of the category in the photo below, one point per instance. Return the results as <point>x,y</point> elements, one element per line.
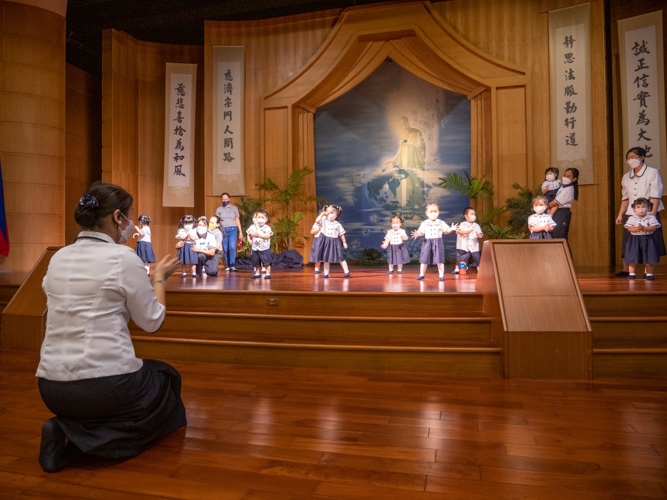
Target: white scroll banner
<point>643,86</point>
<point>228,92</point>
<point>179,135</point>
<point>570,68</point>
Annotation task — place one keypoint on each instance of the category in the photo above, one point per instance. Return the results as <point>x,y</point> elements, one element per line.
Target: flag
<point>4,237</point>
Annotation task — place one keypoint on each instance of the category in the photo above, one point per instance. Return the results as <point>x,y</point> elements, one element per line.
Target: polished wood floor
<point>376,279</point>
<point>259,432</point>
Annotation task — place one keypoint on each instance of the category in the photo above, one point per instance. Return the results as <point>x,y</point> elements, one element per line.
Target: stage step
<point>616,304</point>
<point>424,332</point>
<point>631,345</point>
<point>344,304</point>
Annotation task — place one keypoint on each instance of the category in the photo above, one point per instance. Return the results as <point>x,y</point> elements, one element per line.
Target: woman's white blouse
<point>646,184</point>
<point>93,288</point>
<point>565,196</point>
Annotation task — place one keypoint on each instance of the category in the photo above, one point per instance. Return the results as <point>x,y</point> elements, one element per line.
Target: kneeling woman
<point>107,401</point>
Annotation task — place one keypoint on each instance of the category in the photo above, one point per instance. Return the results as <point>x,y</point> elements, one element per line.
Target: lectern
<point>538,315</point>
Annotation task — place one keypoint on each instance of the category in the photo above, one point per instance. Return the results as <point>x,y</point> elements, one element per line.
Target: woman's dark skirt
<point>187,256</point>
<point>145,251</point>
<point>433,252</point>
<point>641,249</point>
<point>332,250</point>
<point>562,218</point>
<point>658,235</point>
<point>397,254</point>
<point>315,250</point>
<point>541,235</point>
<point>121,415</point>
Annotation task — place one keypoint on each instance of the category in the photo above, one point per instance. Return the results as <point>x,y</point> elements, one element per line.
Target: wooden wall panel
<point>83,141</point>
<point>32,130</point>
<point>276,49</point>
<point>516,31</point>
<point>133,94</point>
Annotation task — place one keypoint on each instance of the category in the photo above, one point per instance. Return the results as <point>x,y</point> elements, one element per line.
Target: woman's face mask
<point>567,181</point>
<point>225,203</point>
<point>633,162</point>
<point>211,226</point>
<point>201,230</point>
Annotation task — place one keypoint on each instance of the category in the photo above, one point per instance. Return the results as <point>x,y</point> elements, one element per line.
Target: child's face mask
<point>539,209</point>
<point>433,215</point>
<point>396,227</point>
<point>472,218</point>
<point>187,227</point>
<point>331,217</point>
<point>261,221</point>
<point>551,177</point>
<point>641,211</point>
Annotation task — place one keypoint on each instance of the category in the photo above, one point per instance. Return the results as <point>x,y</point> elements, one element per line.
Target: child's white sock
<point>633,274</point>
<point>344,266</point>
<point>422,269</point>
<point>326,268</point>
<point>649,274</point>
<point>317,268</point>
<point>441,270</point>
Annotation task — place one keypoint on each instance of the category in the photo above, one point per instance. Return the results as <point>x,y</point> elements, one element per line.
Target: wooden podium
<point>538,315</point>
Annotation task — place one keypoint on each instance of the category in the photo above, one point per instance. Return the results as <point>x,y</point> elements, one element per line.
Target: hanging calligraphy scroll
<point>643,86</point>
<point>178,189</point>
<point>228,64</point>
<point>570,68</point>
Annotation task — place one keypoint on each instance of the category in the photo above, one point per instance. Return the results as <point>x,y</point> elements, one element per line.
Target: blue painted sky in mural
<point>367,158</point>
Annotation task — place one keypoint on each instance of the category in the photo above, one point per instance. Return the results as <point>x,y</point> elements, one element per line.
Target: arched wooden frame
<point>418,39</point>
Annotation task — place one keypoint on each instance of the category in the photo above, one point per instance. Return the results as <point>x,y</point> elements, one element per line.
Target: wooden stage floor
<point>258,432</point>
<point>376,279</point>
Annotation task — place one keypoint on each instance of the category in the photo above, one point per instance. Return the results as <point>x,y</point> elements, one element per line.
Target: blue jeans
<point>229,243</point>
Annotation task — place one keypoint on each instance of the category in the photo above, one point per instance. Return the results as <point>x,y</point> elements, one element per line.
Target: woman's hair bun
<point>88,201</point>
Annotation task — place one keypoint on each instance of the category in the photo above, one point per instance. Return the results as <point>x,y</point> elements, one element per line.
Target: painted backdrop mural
<point>380,150</point>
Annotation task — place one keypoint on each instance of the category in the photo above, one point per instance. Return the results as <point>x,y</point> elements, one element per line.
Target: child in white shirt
<point>397,254</point>
<point>467,240</point>
<point>433,248</point>
<point>260,240</point>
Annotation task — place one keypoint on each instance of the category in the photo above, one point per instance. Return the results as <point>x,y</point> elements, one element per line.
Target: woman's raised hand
<point>166,267</point>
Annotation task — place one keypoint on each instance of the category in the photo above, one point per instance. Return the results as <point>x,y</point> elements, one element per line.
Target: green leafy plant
<point>521,206</point>
<point>292,198</point>
<point>371,257</point>
<point>475,188</point>
<point>471,186</point>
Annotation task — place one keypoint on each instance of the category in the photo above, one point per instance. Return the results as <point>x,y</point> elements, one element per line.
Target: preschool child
<point>316,247</point>
<point>334,240</point>
<point>186,236</point>
<point>144,248</point>
<point>551,184</point>
<point>397,255</point>
<point>641,247</point>
<point>433,248</point>
<point>467,240</point>
<point>204,247</point>
<point>540,223</point>
<point>260,234</point>
<point>218,233</point>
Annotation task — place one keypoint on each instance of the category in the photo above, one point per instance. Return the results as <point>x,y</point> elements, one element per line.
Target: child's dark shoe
<point>631,276</point>
<point>419,277</point>
<point>649,278</point>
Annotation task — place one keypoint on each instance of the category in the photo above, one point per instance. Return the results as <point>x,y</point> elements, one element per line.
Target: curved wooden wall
<point>32,130</point>
<point>133,89</point>
<point>510,34</point>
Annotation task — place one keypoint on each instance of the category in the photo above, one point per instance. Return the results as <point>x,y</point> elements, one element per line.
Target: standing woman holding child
<point>641,181</point>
